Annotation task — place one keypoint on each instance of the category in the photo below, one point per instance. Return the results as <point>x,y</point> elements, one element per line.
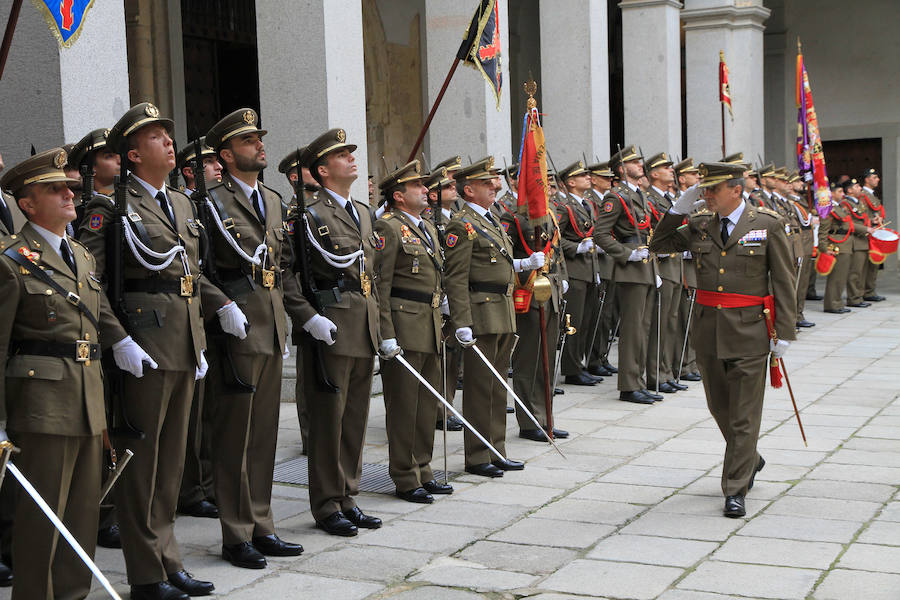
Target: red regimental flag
<point>724,87</point>
<point>533,188</point>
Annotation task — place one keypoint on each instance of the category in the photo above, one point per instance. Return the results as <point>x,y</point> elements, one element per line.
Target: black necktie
<point>6,217</point>
<point>351,212</point>
<point>490,218</point>
<point>425,235</point>
<point>725,231</point>
<point>257,206</point>
<point>66,254</point>
<point>164,206</point>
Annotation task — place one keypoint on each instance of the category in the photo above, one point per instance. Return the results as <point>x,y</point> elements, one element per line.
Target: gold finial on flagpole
<point>799,48</point>
<point>530,88</point>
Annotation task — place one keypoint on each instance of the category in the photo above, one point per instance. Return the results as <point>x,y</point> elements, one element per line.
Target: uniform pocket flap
<point>35,367</point>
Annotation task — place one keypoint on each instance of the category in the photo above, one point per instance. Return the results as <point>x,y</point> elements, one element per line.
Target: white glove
<point>639,254</point>
<point>584,246</point>
<point>202,368</point>
<point>778,349</point>
<point>565,285</point>
<point>688,202</point>
<point>389,348</point>
<point>598,249</point>
<point>658,281</point>
<point>233,320</point>
<point>535,261</point>
<point>464,335</point>
<point>445,307</point>
<point>687,255</point>
<point>321,328</point>
<point>3,436</point>
<point>130,357</point>
<point>287,353</point>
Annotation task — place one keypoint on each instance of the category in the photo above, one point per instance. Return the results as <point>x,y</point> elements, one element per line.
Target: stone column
<point>311,79</point>
<point>735,27</point>
<point>575,79</point>
<point>67,91</point>
<point>467,122</point>
<point>651,65</point>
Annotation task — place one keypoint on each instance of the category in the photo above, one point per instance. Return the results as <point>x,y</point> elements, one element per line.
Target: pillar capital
<point>723,14</point>
<point>629,4</point>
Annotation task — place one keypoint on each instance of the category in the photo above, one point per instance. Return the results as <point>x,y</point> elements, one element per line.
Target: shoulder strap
<point>486,235</point>
<point>137,225</point>
<point>71,297</point>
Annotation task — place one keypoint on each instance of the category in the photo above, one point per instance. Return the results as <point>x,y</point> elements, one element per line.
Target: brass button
<point>31,373</point>
<point>80,285</point>
<point>751,252</point>
<point>87,363</point>
<point>48,292</point>
<point>720,288</point>
<point>721,270</point>
<point>87,337</point>
<point>724,253</point>
<point>237,235</point>
<point>487,299</point>
<point>190,300</point>
<point>139,310</point>
<point>271,250</point>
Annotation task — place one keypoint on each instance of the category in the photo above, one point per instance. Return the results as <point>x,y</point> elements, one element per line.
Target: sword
<point>509,389</point>
<point>587,352</point>
<point>6,451</point>
<point>686,331</point>
<point>444,385</point>
<point>793,401</point>
<point>565,331</point>
<point>115,473</point>
<point>447,405</point>
<point>45,508</point>
<point>658,329</point>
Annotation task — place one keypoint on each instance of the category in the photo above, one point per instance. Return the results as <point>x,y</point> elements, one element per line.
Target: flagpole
<point>8,35</point>
<point>723,127</point>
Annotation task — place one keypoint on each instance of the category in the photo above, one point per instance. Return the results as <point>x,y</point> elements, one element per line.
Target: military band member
<point>601,182</point>
<point>408,273</point>
<point>479,273</point>
<point>528,377</point>
<point>861,220</point>
<point>870,180</point>
<point>622,230</point>
<point>743,266</point>
<point>664,336</point>
<point>808,219</point>
<point>163,315</point>
<point>576,226</point>
<point>343,334</point>
<point>836,240</point>
<point>53,387</point>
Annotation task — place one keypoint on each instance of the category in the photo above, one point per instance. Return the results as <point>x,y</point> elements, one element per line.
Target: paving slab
<point>881,532</point>
<point>651,550</point>
<point>546,532</point>
<point>751,580</point>
<point>524,558</point>
<point>869,557</point>
<point>612,579</point>
<point>454,572</point>
<point>841,584</point>
<point>802,528</point>
<point>690,527</point>
<point>589,511</point>
<point>778,552</point>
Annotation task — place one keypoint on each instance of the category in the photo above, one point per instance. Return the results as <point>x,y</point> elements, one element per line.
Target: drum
<point>881,243</point>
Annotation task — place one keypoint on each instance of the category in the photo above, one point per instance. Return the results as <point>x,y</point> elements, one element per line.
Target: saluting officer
<point>622,230</point>
<point>408,273</point>
<point>341,333</point>
<point>744,278</point>
<point>52,393</point>
<point>686,175</point>
<point>479,272</point>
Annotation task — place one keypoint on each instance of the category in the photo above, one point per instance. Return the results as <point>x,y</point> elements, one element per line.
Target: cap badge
<point>59,161</point>
<point>341,136</point>
<point>151,111</point>
<point>249,119</point>
<point>105,133</point>
<point>703,171</point>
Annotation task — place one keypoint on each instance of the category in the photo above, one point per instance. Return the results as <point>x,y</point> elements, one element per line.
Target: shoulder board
<point>387,216</point>
<point>215,185</point>
<point>264,186</point>
<point>179,191</point>
<point>766,211</point>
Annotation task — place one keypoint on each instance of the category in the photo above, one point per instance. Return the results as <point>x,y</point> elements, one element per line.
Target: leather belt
<point>79,350</point>
<point>491,288</point>
<point>267,278</point>
<point>434,299</point>
<point>632,239</point>
<point>184,286</point>
<point>342,286</point>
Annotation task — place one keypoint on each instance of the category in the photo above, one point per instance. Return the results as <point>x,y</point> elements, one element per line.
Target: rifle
<point>87,189</point>
<point>303,266</point>
<point>115,290</point>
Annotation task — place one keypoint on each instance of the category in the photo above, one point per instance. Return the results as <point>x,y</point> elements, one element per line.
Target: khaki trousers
<point>669,300</point>
<point>635,307</point>
<point>484,398</point>
<point>856,277</point>
<point>527,363</point>
<point>837,281</point>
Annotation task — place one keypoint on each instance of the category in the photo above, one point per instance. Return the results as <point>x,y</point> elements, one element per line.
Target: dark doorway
<point>616,78</point>
<point>852,157</point>
<point>221,72</point>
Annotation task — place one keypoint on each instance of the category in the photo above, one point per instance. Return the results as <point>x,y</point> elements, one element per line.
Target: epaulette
<point>261,184</point>
<point>217,184</point>
<point>767,211</point>
<point>387,216</point>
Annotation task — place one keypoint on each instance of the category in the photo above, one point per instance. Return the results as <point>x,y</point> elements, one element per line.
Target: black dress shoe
<point>485,470</point>
<point>609,367</point>
<point>664,387</point>
<point>453,424</point>
<point>6,576</point>
<point>838,311</point>
<point>337,524</point>
<point>244,555</point>
<point>433,487</point>
<point>558,391</point>
<point>596,378</point>
<point>161,590</point>
<point>190,586</point>
<point>272,545</point>
<point>637,397</point>
<point>361,519</point>
<point>535,435</point>
<point>759,467</point>
<point>814,297</point>
<point>599,371</point>
<point>204,508</point>
<point>418,495</point>
<point>692,376</point>
<point>653,395</point>
<point>875,298</point>
<point>734,507</point>
<point>860,304</point>
<point>508,465</point>
<point>805,323</point>
<point>108,537</point>
<point>560,434</point>
<point>678,386</point>
<point>580,379</point>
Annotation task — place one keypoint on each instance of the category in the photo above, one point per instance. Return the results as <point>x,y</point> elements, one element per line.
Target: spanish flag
<point>724,88</point>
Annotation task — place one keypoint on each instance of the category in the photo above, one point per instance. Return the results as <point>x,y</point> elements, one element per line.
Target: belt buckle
<point>509,289</point>
<point>268,278</point>
<point>187,286</point>
<point>435,300</point>
<point>365,284</point>
<point>82,351</point>
<point>73,298</point>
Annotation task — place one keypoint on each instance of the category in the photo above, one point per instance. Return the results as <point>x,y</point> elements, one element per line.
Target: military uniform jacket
<point>836,229</point>
<point>606,264</point>
<point>263,306</point>
<point>355,315</point>
<point>669,265</point>
<point>503,205</point>
<point>6,221</point>
<point>873,204</point>
<point>48,394</point>
<point>475,261</point>
<point>168,326</point>
<point>623,225</point>
<point>577,223</point>
<point>859,215</point>
<point>408,273</point>
<point>756,261</point>
<point>524,234</point>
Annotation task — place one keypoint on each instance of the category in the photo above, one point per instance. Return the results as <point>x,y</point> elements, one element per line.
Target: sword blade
<point>117,472</point>
<point>63,530</point>
<point>509,389</point>
<point>447,405</point>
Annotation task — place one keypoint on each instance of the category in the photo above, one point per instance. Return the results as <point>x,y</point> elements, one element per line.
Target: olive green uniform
<point>733,343</point>
<point>835,236</point>
<point>860,256</point>
<point>609,311</point>
<point>479,282</point>
<point>875,208</point>
<point>408,270</point>
<point>808,242</point>
<point>666,304</point>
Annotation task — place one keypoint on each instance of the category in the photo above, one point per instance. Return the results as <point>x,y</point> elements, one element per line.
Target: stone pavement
<point>634,511</point>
